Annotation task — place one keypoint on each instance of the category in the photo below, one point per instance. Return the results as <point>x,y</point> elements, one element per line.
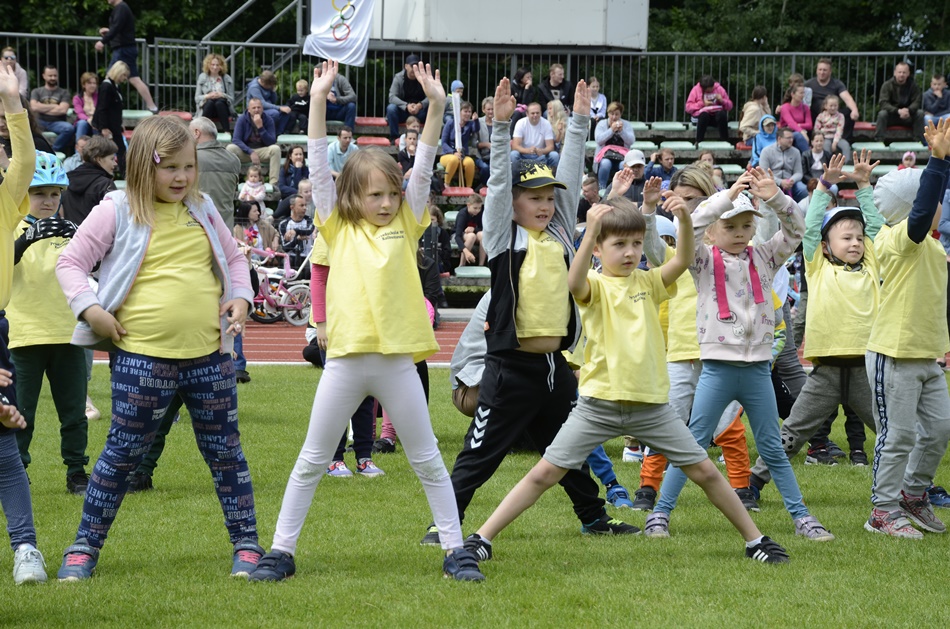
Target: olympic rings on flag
<point>338,26</point>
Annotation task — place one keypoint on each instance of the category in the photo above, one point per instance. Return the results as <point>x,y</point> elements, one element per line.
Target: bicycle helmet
<point>48,172</point>
<point>834,215</point>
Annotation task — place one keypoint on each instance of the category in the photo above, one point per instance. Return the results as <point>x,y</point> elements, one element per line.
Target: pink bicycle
<point>280,296</point>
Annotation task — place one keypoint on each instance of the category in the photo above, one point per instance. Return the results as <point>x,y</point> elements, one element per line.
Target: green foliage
<point>359,560</point>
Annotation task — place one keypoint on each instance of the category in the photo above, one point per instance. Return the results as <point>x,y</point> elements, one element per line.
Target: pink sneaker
<point>892,523</point>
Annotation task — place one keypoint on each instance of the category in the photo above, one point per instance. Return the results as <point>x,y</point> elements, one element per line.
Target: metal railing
<point>652,86</point>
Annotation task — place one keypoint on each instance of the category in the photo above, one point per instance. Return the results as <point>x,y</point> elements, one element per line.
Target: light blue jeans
<point>719,384</point>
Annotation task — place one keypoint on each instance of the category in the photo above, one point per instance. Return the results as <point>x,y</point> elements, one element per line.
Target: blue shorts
<point>128,54</point>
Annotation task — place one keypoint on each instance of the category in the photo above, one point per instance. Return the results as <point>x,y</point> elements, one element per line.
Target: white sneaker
<point>92,413</point>
<point>28,565</point>
<point>632,455</point>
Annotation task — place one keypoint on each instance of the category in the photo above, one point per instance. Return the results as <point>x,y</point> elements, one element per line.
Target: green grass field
<point>359,561</point>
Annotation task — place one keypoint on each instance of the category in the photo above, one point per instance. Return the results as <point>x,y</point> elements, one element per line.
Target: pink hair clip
<point>158,160</point>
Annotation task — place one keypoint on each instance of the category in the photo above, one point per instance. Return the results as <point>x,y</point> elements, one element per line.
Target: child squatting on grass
<point>624,387</point>
<point>164,249</point>
<point>372,235</point>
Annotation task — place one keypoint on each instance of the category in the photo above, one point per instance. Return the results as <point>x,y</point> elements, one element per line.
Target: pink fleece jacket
<point>695,104</point>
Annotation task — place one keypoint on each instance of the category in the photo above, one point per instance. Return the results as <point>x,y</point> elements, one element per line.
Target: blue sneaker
<point>938,496</point>
<point>274,566</point>
<point>338,469</point>
<point>79,561</point>
<point>247,554</point>
<point>618,497</point>
<point>461,565</point>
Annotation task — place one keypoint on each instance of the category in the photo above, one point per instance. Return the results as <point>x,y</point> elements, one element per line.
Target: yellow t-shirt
<point>172,308</point>
<point>14,202</point>
<point>682,341</point>
<point>321,252</point>
<point>38,311</point>
<point>543,307</point>
<point>911,319</point>
<point>841,305</point>
<point>624,358</point>
<point>374,295</point>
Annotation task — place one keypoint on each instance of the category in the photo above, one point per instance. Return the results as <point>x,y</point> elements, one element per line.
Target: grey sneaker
<point>893,523</point>
<point>658,525</point>
<point>811,528</point>
<point>28,565</point>
<point>919,511</point>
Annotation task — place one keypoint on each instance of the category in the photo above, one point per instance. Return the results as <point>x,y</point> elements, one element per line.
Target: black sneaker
<point>479,547</point>
<point>644,499</point>
<point>384,446</point>
<point>139,482</point>
<point>242,376</point>
<point>835,450</point>
<point>748,499</point>
<point>461,566</point>
<point>77,482</point>
<point>859,458</point>
<point>767,551</point>
<point>274,566</point>
<point>606,525</point>
<point>431,537</point>
<point>820,456</point>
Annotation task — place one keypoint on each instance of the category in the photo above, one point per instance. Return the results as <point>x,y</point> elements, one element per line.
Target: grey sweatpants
<point>824,389</point>
<point>912,412</point>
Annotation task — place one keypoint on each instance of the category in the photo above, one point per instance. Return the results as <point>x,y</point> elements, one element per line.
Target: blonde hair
<point>354,179</point>
<point>206,64</point>
<point>161,136</point>
<point>694,177</point>
<point>85,77</point>
<point>118,68</point>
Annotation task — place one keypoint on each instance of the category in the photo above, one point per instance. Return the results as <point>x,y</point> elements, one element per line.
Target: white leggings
<point>346,381</point>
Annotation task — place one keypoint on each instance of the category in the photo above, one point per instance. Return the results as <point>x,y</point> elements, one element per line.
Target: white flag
<point>340,30</point>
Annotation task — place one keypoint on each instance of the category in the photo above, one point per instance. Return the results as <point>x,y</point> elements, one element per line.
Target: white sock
<point>754,542</point>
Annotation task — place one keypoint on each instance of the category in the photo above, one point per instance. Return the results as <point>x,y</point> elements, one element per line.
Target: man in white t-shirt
<point>533,139</point>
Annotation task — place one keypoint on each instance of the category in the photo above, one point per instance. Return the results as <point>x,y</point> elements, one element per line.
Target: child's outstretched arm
<point>790,218</point>
<point>417,191</point>
<point>816,207</point>
<point>577,275</point>
<point>570,168</point>
<point>16,181</point>
<point>685,247</point>
<point>324,189</point>
<point>933,181</point>
<point>498,209</point>
<point>862,176</point>
<point>654,248</point>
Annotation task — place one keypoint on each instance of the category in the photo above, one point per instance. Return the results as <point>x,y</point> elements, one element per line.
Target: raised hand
<point>594,217</point>
<point>323,79</point>
<point>621,182</point>
<point>9,89</point>
<point>863,168</point>
<point>651,192</point>
<point>763,185</point>
<point>742,183</point>
<point>582,98</point>
<point>938,137</point>
<point>833,169</point>
<point>431,84</point>
<point>504,102</point>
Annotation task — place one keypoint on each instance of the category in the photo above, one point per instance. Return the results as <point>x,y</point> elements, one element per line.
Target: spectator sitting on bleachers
<point>457,87</point>
<point>900,104</point>
<point>340,151</point>
<point>908,160</point>
<point>73,161</point>
<point>468,232</point>
<point>218,170</point>
<point>557,117</point>
<point>533,140</point>
<point>297,233</point>
<point>765,137</point>
<point>407,156</point>
<point>614,136</point>
<point>253,187</point>
<point>815,159</point>
<point>91,180</point>
<point>824,85</point>
<point>525,92</point>
<point>455,156</point>
<point>784,161</point>
<point>108,117</point>
<point>412,124</point>
<point>84,103</point>
<point>263,87</point>
<point>250,229</point>
<point>708,104</point>
<point>214,92</point>
<point>707,156</point>
<point>598,102</point>
<point>936,100</point>
<point>830,123</point>
<point>483,139</point>
<point>406,98</point>
<point>556,87</point>
<point>796,115</point>
<point>590,195</point>
<point>341,101</point>
<point>661,165</point>
<point>794,80</point>
<point>437,242</point>
<point>634,163</point>
<point>9,59</point>
<point>305,190</point>
<point>51,103</point>
<point>255,140</point>
<point>752,112</point>
<point>293,172</point>
<point>299,105</point>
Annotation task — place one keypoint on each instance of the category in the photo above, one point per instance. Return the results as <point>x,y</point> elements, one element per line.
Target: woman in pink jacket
<point>796,115</point>
<point>707,104</point>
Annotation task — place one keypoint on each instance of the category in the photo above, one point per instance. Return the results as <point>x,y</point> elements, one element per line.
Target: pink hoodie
<point>695,104</point>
